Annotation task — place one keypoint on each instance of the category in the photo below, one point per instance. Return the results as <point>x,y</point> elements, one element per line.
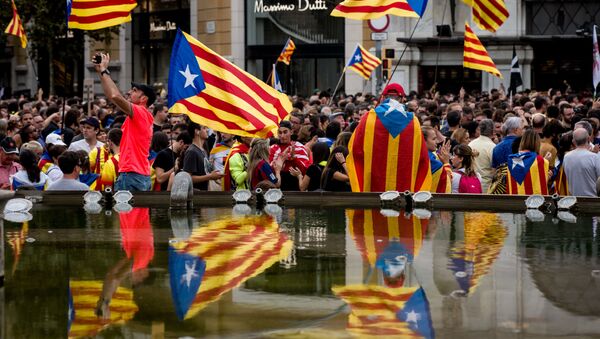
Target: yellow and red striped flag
<point>472,258</point>
<point>15,26</point>
<point>83,321</point>
<point>527,174</point>
<point>215,93</point>
<point>388,153</point>
<point>363,62</point>
<point>230,251</point>
<point>476,56</point>
<point>286,53</point>
<point>97,14</point>
<point>488,14</point>
<point>372,9</point>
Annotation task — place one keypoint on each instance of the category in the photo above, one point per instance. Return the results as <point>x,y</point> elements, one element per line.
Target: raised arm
<point>109,87</point>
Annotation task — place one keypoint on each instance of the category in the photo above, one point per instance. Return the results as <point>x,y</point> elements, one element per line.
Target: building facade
<point>552,39</point>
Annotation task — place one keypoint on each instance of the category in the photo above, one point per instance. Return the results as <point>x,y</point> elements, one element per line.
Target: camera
<point>97,59</point>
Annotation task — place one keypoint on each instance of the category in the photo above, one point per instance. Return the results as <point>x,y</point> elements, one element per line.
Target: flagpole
<point>403,51</point>
<point>337,86</point>
<point>437,57</point>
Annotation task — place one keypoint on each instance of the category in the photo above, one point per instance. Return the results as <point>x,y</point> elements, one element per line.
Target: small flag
<point>215,93</point>
<point>286,53</point>
<point>476,56</point>
<point>527,174</point>
<point>488,14</point>
<point>373,9</point>
<point>515,73</point>
<point>596,66</point>
<point>15,26</point>
<point>275,82</point>
<point>387,152</point>
<point>97,14</point>
<point>363,62</point>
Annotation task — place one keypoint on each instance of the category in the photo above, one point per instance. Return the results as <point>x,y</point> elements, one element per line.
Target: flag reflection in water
<point>219,257</point>
<point>83,320</point>
<point>388,245</point>
<point>473,258</point>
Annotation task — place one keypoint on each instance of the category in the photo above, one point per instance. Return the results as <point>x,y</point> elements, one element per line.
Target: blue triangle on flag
<point>394,116</point>
<point>185,76</point>
<point>417,315</point>
<point>356,58</point>
<point>519,165</point>
<point>185,276</point>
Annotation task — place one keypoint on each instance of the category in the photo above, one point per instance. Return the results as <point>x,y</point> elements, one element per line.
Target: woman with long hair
<point>464,178</point>
<point>30,175</point>
<point>527,170</point>
<point>312,180</point>
<point>259,168</point>
<point>335,175</point>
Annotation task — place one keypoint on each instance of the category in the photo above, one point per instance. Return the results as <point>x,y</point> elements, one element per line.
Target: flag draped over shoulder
<point>286,54</point>
<point>488,14</point>
<point>15,26</point>
<point>527,174</point>
<point>97,14</point>
<point>476,56</point>
<point>372,9</point>
<point>387,152</point>
<point>228,252</point>
<point>472,258</point>
<point>363,62</point>
<point>377,311</point>
<point>515,73</point>
<point>441,175</point>
<point>214,92</point>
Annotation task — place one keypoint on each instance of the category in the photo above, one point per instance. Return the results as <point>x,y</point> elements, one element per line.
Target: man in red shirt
<point>134,168</point>
<point>293,153</point>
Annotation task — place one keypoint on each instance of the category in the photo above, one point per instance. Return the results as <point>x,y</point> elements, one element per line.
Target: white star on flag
<point>190,273</point>
<point>189,77</point>
<point>394,105</point>
<point>412,317</point>
<point>518,161</point>
<point>357,57</point>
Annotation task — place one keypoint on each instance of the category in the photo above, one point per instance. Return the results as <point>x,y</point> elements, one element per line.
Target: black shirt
<point>165,160</point>
<point>314,172</point>
<point>193,163</point>
<point>333,185</point>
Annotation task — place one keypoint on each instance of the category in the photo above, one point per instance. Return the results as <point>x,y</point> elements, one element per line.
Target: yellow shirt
<point>110,171</point>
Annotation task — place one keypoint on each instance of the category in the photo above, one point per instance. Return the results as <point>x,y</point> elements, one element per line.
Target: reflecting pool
<point>216,272</point>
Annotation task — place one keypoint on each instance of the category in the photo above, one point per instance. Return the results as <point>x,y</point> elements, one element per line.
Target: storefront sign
<point>168,26</point>
<point>300,6</point>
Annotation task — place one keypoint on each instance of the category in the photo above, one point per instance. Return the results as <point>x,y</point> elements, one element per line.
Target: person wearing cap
<point>91,127</point>
<point>294,155</point>
<point>393,91</point>
<point>8,164</point>
<point>134,167</point>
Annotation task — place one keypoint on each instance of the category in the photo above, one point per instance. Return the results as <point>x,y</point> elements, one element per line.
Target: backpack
<point>469,184</point>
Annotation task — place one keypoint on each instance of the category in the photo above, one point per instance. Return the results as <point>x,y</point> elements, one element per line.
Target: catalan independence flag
<point>15,26</point>
<point>488,14</point>
<point>561,184</point>
<point>363,62</point>
<point>527,174</point>
<point>378,237</point>
<point>388,152</point>
<point>372,9</point>
<point>83,320</point>
<point>383,312</point>
<point>473,257</point>
<point>476,56</point>
<point>97,14</point>
<point>441,175</point>
<point>286,54</point>
<point>229,251</point>
<point>214,92</point>
<point>275,82</point>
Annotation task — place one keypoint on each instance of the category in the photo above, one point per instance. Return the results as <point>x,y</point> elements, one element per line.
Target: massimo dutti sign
<point>266,6</point>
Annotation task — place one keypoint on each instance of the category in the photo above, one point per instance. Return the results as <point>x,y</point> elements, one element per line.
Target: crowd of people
<point>527,143</point>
